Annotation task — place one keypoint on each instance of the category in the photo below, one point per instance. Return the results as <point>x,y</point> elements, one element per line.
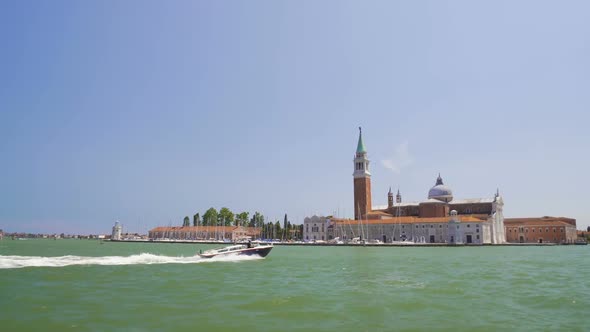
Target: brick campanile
<point>362,181</point>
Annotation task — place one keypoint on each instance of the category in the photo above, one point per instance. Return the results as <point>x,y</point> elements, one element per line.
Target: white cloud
<point>401,159</point>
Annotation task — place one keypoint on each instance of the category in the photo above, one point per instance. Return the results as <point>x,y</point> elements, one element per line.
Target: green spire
<point>360,148</point>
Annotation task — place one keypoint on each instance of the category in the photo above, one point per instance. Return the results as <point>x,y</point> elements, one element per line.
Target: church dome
<point>440,191</point>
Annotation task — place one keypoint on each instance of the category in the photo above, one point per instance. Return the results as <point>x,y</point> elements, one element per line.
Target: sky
<point>148,111</point>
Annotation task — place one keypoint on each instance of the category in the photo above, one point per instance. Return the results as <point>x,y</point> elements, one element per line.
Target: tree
<point>257,220</point>
<point>226,217</point>
<point>186,222</point>
<point>268,230</point>
<point>196,220</point>
<point>210,217</point>
<point>242,219</point>
<point>277,231</point>
<point>285,229</point>
<point>288,230</point>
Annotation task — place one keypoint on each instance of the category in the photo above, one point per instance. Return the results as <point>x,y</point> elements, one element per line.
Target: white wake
<point>15,262</point>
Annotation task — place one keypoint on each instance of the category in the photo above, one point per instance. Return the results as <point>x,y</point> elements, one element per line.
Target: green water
<point>293,289</point>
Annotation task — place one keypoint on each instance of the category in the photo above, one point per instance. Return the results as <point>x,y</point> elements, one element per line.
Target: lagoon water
<point>83,285</point>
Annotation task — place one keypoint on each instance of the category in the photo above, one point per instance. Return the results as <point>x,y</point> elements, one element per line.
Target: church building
<point>438,219</point>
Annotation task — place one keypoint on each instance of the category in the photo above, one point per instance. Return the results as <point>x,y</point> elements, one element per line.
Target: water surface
<point>88,286</point>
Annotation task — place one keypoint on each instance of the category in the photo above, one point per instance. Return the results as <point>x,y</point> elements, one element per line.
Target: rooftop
<point>453,202</point>
<point>360,148</point>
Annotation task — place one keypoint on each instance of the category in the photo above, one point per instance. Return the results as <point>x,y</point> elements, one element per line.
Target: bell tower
<point>362,180</point>
<point>389,199</point>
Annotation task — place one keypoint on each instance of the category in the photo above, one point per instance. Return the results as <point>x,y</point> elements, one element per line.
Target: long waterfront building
<point>439,219</point>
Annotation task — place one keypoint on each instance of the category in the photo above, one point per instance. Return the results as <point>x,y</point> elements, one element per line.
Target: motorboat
<point>249,249</point>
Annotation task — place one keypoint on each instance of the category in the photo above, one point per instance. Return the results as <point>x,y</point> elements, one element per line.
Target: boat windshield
<point>231,248</point>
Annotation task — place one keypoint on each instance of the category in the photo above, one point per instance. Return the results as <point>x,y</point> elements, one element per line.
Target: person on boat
<point>249,244</point>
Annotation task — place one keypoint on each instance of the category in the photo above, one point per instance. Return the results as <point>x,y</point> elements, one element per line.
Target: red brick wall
<point>362,197</point>
<point>433,210</point>
<point>537,233</point>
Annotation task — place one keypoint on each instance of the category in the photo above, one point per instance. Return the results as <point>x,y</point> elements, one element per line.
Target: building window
<point>540,230</point>
<point>553,229</point>
<point>477,230</point>
<point>468,225</point>
<point>547,230</point>
<point>416,226</point>
<point>561,229</point>
<point>477,237</point>
<point>431,226</point>
<point>439,226</point>
<point>533,230</point>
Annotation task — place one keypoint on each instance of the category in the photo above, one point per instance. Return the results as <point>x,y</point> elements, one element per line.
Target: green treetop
<point>210,217</point>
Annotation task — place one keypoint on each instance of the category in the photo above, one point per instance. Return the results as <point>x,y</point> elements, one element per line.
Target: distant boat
<point>408,242</point>
<point>250,249</point>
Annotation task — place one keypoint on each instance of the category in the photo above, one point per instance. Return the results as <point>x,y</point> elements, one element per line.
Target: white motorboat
<point>249,249</point>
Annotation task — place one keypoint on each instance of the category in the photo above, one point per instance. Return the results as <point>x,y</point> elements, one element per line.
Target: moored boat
<point>249,249</point>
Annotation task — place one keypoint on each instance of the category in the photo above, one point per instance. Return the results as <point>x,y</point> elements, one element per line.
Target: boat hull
<point>258,251</point>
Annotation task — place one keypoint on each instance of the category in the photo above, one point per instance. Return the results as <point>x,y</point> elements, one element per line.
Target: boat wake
<point>15,262</point>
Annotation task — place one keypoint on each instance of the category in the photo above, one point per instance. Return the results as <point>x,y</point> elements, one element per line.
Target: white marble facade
<point>315,228</point>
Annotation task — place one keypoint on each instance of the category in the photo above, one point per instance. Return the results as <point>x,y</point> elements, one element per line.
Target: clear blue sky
<point>147,111</point>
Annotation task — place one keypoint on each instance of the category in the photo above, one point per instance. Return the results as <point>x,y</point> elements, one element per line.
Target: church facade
<point>438,219</point>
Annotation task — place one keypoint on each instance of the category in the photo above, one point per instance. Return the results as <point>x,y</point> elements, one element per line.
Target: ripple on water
<point>300,288</point>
